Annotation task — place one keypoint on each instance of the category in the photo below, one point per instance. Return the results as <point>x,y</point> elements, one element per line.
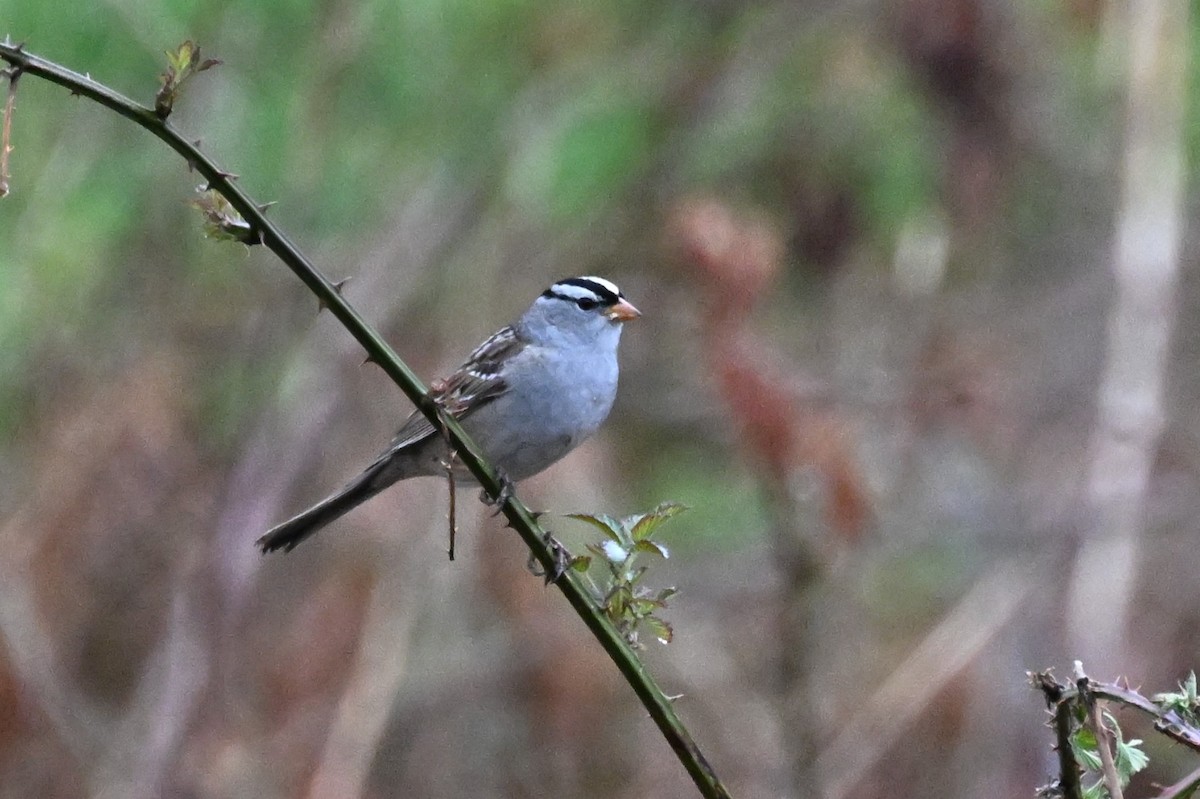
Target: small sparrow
<point>528,395</point>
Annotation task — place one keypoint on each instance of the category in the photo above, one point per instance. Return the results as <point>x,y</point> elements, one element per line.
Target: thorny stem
<point>1068,769</point>
<point>1166,721</point>
<point>518,515</point>
<point>1063,698</point>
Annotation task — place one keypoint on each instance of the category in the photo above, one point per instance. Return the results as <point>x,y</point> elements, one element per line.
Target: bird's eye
<point>586,303</point>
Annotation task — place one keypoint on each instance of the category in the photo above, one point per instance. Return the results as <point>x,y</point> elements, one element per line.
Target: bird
<point>528,395</point>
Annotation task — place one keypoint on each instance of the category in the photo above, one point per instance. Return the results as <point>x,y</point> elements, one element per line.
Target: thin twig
<point>453,513</point>
<point>1184,787</point>
<point>141,749</point>
<point>10,104</point>
<point>945,651</point>
<point>361,719</point>
<point>1095,720</point>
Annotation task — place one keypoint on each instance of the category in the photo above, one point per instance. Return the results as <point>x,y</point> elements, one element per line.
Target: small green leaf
<point>1186,702</point>
<point>581,563</point>
<point>644,527</point>
<point>653,548</point>
<point>644,606</point>
<point>602,522</point>
<point>181,58</point>
<point>182,62</point>
<point>1087,759</point>
<point>1083,742</point>
<point>1130,758</point>
<point>618,599</point>
<point>221,220</point>
<point>664,594</point>
<point>659,629</point>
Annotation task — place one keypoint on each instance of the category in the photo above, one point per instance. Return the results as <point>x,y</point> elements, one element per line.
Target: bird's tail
<point>287,535</point>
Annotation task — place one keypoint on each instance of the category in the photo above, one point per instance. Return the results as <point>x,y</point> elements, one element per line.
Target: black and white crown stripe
<point>486,363</point>
<point>596,289</point>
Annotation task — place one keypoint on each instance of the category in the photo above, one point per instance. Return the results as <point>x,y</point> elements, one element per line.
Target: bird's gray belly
<point>555,424</point>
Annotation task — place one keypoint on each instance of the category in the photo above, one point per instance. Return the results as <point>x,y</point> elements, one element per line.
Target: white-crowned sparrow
<point>528,395</point>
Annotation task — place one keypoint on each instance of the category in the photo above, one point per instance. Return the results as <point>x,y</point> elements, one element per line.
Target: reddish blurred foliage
<point>118,461</point>
<point>305,668</point>
<point>316,651</point>
<point>737,258</point>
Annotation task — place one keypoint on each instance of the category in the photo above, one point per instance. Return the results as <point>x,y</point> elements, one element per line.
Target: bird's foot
<point>506,492</point>
<point>562,561</point>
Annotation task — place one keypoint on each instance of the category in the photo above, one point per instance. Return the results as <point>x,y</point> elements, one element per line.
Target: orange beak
<point>623,311</point>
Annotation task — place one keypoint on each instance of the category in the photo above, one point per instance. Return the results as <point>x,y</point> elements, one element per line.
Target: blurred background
<point>918,349</point>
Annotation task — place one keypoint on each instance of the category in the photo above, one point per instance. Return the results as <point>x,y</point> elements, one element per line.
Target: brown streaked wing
<point>476,383</point>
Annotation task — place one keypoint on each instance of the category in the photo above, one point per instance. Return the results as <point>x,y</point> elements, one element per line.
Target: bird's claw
<point>506,492</point>
<point>562,560</point>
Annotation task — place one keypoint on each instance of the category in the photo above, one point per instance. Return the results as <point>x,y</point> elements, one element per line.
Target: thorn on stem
<point>337,287</point>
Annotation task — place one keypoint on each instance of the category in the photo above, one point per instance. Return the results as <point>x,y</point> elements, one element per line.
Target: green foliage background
<point>165,398</point>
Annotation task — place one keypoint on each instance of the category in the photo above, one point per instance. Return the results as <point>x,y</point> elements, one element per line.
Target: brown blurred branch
<point>75,719</point>
<point>366,703</point>
<point>145,743</point>
<point>378,351</point>
<point>949,648</point>
<point>134,758</point>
